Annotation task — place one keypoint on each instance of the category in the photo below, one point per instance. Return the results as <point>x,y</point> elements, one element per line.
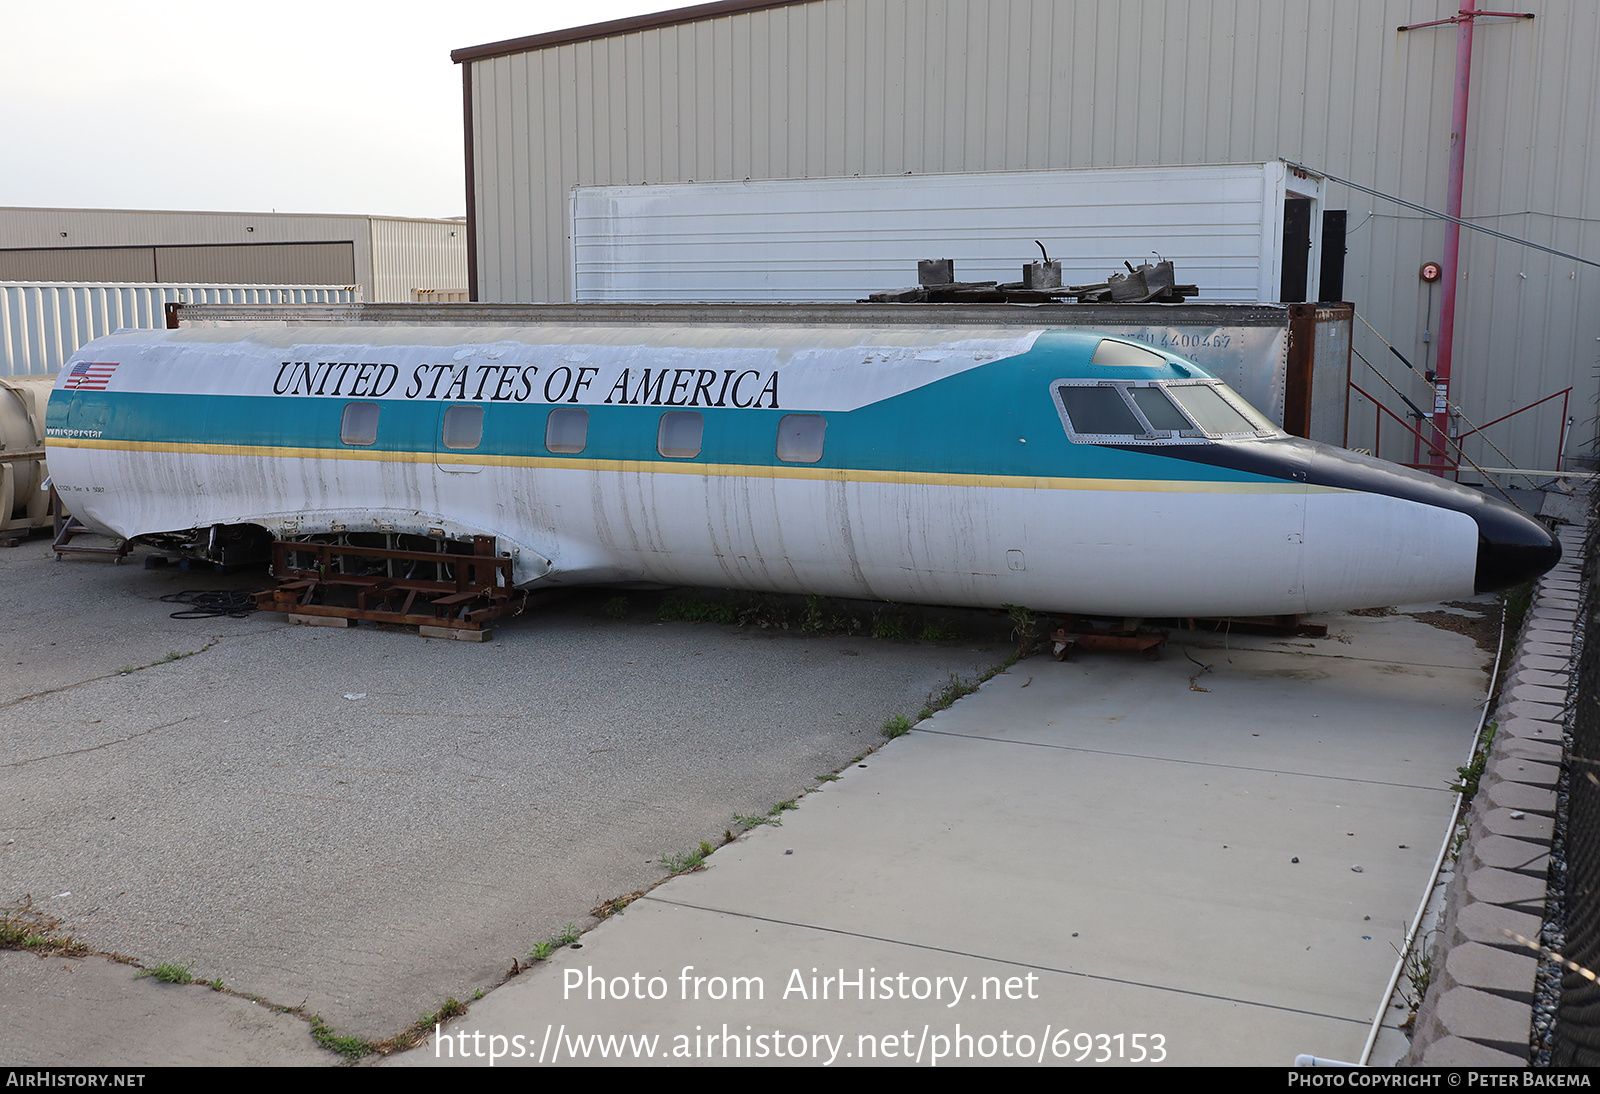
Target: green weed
<point>1467,784</point>
<point>1417,967</point>
<point>1024,628</point>
<point>689,861</point>
<point>814,620</point>
<point>941,700</point>
<point>891,625</point>
<point>615,904</point>
<point>694,609</point>
<point>542,950</point>
<point>167,974</point>
<point>452,1008</point>
<point>352,1048</point>
<point>897,726</point>
<point>616,607</point>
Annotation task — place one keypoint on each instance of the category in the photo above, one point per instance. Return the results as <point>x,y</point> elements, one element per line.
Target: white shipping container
<point>42,323</point>
<point>842,238</point>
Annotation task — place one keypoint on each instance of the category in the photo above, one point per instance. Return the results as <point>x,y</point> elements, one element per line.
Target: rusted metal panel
<point>1299,362</point>
<point>466,591</point>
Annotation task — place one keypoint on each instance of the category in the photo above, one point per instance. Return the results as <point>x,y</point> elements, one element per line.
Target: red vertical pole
<point>1439,457</point>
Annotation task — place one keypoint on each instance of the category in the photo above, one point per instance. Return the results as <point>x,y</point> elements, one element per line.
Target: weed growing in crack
<point>689,861</point>
<point>167,974</point>
<point>543,950</point>
<point>957,688</point>
<point>24,927</point>
<point>1467,784</point>
<point>351,1048</point>
<point>774,816</point>
<point>611,907</point>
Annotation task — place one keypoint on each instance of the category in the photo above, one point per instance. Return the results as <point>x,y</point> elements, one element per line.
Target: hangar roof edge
<point>629,25</point>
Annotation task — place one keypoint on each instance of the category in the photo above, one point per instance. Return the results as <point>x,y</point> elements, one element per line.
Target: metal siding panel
<point>617,90</point>
<point>718,75</point>
<point>331,263</point>
<point>653,125</point>
<point>814,93</point>
<point>43,325</point>
<point>547,226</point>
<point>842,238</point>
<point>78,264</point>
<point>742,109</point>
<point>587,104</point>
<point>633,113</point>
<point>855,102</point>
<point>408,255</point>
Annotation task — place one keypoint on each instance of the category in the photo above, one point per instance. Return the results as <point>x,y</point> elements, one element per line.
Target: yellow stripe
<point>720,470</point>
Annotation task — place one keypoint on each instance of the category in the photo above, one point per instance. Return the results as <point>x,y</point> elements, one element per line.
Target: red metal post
<point>1439,457</point>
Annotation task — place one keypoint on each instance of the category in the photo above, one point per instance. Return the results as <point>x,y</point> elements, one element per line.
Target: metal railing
<point>1452,463</point>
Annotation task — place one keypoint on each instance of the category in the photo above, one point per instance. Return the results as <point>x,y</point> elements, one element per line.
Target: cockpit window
<point>1206,406</point>
<point>1126,355</point>
<point>1100,410</point>
<point>1155,412</point>
<point>1158,409</point>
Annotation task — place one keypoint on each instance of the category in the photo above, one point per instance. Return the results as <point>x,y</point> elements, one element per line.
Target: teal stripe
<point>974,423</point>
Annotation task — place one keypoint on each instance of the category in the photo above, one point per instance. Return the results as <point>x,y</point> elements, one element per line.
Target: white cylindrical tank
<point>23,504</point>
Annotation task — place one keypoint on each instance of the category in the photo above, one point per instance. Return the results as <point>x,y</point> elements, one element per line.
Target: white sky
<point>340,106</point>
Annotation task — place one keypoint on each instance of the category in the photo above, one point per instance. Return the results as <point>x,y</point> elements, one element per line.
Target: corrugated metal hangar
<point>885,110</point>
<point>390,258</point>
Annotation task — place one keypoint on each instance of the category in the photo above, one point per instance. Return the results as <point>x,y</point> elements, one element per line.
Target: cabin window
<point>1100,411</point>
<point>678,436</point>
<point>463,427</point>
<point>567,430</point>
<point>800,437</point>
<point>360,423</point>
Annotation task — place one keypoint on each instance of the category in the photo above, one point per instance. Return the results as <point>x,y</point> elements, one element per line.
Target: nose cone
<point>1512,547</point>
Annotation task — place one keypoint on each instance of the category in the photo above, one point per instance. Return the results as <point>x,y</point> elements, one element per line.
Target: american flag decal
<point>91,375</point>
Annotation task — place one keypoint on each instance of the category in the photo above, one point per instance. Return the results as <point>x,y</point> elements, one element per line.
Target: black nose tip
<point>1512,548</point>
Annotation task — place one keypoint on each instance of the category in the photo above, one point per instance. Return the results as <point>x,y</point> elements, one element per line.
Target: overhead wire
<point>1441,216</point>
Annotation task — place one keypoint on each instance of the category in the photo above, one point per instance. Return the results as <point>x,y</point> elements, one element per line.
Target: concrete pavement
<point>1099,859</point>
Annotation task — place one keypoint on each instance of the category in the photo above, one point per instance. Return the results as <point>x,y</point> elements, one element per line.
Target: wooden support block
<point>321,620</point>
<point>460,634</point>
